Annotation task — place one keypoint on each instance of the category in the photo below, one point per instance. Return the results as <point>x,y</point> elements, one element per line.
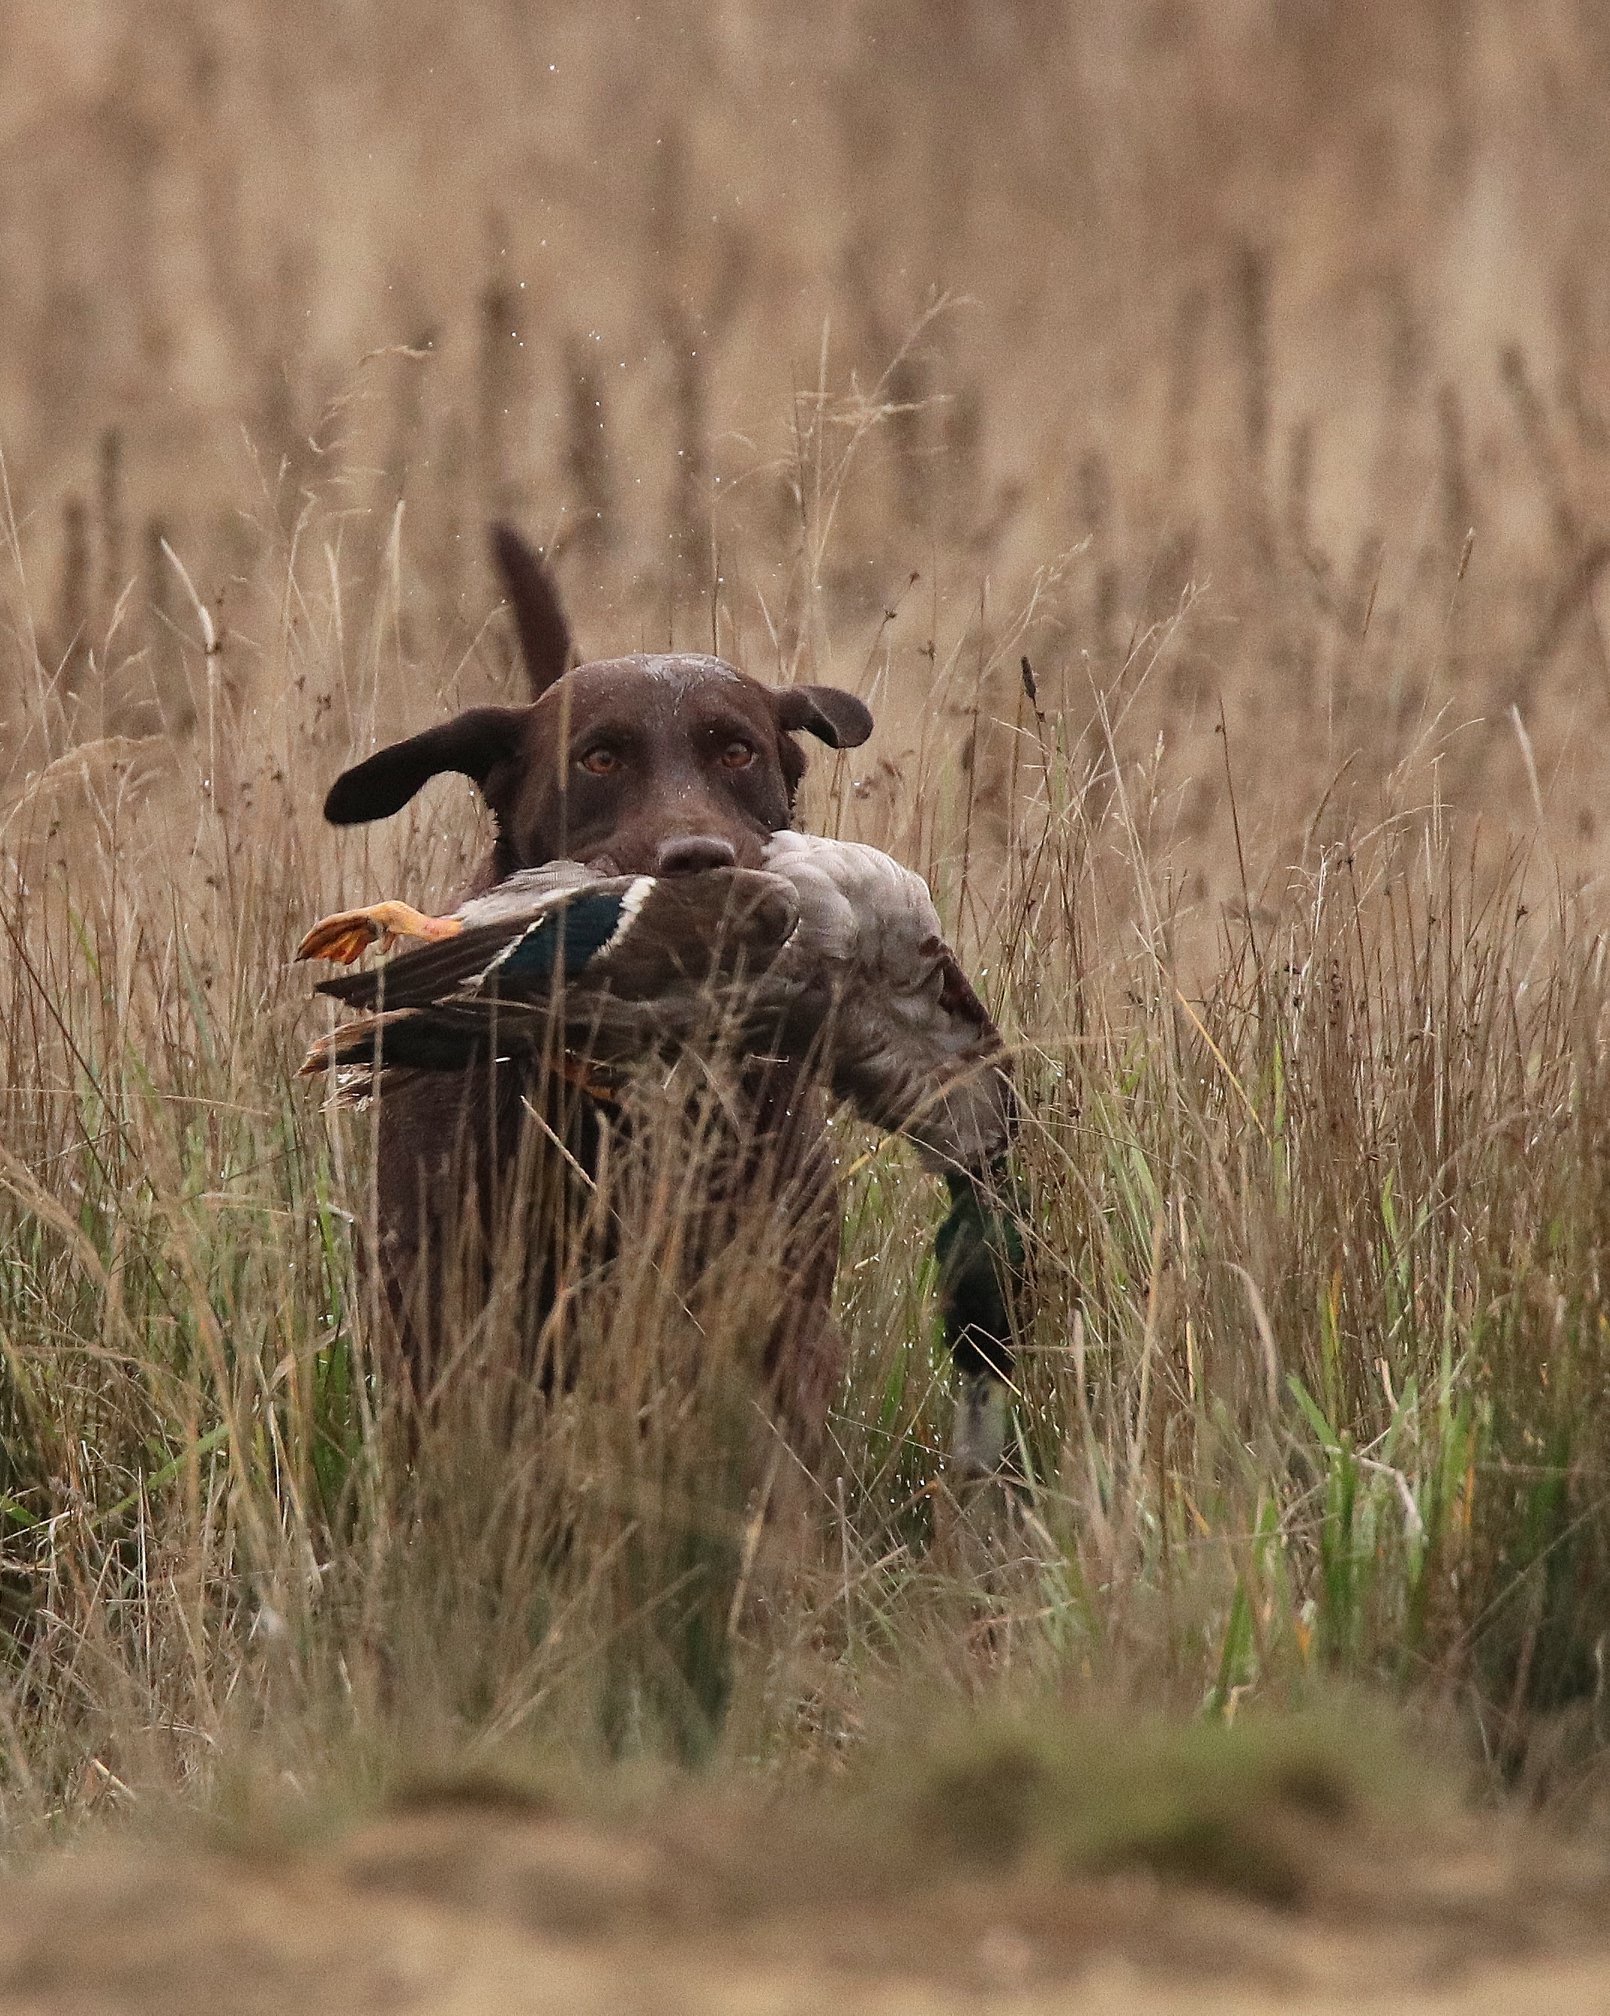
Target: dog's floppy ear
<point>539,617</point>
<point>473,744</point>
<point>827,712</point>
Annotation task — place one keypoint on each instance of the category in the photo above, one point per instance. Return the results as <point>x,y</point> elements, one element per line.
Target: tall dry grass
<point>1186,426</point>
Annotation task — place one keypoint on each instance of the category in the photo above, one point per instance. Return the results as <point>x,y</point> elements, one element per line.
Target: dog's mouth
<point>749,853</point>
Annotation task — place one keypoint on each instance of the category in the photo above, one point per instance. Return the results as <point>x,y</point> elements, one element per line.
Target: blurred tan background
<point>1250,354</point>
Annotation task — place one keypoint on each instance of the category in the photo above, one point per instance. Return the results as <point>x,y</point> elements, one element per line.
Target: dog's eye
<point>600,762</point>
<point>738,755</point>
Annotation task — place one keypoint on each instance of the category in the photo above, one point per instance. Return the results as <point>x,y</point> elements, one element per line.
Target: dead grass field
<point>1215,1870</point>
<point>1187,423</point>
<point>471,1903</point>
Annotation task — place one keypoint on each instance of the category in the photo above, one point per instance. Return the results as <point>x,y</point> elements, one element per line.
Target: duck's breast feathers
<point>858,905</point>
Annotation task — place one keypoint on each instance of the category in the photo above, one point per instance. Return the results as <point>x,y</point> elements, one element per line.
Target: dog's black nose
<point>697,850</point>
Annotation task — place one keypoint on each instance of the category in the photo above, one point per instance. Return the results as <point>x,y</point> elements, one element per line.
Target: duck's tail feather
<point>416,1039</point>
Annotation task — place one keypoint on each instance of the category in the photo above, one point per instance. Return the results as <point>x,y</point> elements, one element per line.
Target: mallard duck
<point>831,949</point>
<point>831,952</point>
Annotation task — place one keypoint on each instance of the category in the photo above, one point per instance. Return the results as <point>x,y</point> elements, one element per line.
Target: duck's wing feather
<point>402,1039</point>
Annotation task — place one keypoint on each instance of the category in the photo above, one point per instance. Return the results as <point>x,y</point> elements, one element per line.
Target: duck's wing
<point>620,966</point>
<point>517,952</point>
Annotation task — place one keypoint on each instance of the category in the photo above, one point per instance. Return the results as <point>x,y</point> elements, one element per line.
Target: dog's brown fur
<point>640,765</point>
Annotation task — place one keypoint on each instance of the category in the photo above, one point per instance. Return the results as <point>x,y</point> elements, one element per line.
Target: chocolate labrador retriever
<point>651,764</point>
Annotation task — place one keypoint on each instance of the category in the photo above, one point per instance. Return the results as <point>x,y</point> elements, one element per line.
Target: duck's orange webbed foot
<point>349,933</point>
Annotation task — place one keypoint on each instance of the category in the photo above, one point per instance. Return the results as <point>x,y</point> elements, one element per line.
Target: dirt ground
<point>448,1906</point>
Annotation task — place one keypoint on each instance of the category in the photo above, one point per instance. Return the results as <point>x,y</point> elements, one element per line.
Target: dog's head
<point>640,765</point>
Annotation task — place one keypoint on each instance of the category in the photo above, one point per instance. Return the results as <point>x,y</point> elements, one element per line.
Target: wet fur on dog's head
<point>639,765</point>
